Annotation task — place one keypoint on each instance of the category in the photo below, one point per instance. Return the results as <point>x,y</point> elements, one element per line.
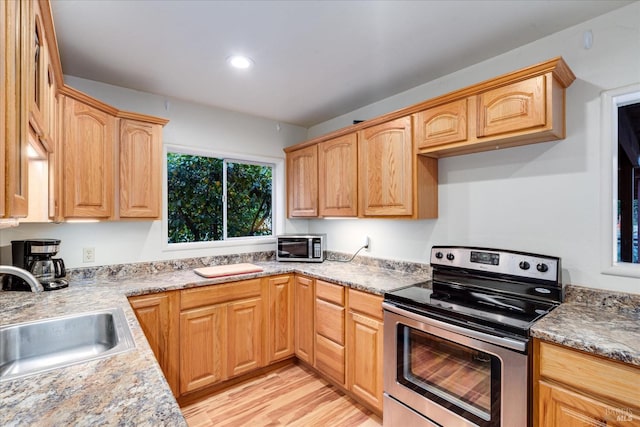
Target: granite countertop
<point>599,322</point>
<point>129,388</point>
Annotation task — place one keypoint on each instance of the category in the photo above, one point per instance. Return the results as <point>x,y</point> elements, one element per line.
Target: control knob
<point>450,256</point>
<point>524,265</point>
<point>439,255</point>
<point>542,267</point>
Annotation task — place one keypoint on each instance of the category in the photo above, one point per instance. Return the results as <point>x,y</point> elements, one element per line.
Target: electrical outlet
<point>367,243</point>
<point>88,254</point>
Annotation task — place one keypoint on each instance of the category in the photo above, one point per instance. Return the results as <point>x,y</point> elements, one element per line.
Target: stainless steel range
<point>459,350</point>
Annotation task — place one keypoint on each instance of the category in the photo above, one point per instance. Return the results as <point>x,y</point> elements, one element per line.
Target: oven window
<point>463,379</point>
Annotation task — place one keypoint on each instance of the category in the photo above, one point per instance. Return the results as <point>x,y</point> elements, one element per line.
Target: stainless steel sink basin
<point>35,347</point>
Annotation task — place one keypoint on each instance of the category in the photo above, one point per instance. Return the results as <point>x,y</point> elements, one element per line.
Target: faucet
<point>29,278</point>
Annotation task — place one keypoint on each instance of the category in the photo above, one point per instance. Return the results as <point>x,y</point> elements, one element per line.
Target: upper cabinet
<point>386,155</point>
<point>397,153</point>
<point>100,162</point>
<point>110,161</point>
<point>443,124</point>
<point>140,169</point>
<point>14,78</point>
<point>87,161</point>
<point>302,182</point>
<point>338,176</point>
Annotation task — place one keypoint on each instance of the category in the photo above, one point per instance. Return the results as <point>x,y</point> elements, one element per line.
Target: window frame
<point>611,100</point>
<point>277,194</point>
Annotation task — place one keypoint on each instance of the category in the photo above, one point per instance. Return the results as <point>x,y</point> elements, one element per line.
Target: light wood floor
<point>289,396</point>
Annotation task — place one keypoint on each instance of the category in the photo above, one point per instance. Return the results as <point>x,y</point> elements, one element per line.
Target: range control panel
<point>498,261</point>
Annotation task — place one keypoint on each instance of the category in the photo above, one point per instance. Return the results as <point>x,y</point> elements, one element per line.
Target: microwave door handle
<point>310,248</point>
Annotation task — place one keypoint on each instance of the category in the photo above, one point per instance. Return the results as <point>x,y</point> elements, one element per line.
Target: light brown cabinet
<point>111,162</point>
<point>304,328</point>
<point>157,315</point>
<point>364,347</point>
<point>203,349</point>
<point>330,330</point>
<point>88,161</point>
<point>280,328</point>
<point>245,337</point>
<point>512,108</point>
<point>338,176</point>
<point>302,182</point>
<point>393,181</point>
<point>221,333</point>
<point>386,154</point>
<point>14,78</point>
<point>573,388</point>
<point>140,153</point>
<point>443,124</point>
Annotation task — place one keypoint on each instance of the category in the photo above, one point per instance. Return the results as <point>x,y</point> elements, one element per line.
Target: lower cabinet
<point>364,347</point>
<point>157,315</point>
<point>330,333</point>
<point>205,335</point>
<point>221,333</point>
<point>304,330</point>
<point>280,328</point>
<point>202,347</point>
<point>573,388</point>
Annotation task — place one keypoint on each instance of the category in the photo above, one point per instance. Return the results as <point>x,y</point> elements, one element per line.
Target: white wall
<point>540,198</point>
<point>191,125</point>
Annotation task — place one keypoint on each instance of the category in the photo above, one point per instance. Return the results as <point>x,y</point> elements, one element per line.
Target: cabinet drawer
<point>365,303</point>
<point>330,358</point>
<point>215,294</point>
<point>590,373</point>
<point>330,321</point>
<point>330,292</point>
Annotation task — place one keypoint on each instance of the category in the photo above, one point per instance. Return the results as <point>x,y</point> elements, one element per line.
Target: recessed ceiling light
<point>239,61</point>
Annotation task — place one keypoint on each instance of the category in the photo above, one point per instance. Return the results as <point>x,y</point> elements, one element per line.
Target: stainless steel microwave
<point>301,247</point>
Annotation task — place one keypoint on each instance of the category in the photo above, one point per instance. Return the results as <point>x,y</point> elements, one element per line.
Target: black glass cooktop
<point>472,307</point>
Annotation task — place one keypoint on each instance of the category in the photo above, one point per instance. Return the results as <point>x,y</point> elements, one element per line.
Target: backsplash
<point>116,271</point>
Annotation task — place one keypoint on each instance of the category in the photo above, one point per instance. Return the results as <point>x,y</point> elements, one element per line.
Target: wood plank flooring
<point>290,396</point>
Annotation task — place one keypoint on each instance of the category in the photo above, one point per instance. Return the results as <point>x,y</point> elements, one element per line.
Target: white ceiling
<point>314,60</point>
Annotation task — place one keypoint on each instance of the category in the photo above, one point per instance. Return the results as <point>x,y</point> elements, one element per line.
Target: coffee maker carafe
<point>36,256</point>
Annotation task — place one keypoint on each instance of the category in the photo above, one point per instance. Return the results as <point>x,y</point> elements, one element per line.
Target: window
<point>621,180</point>
<point>214,199</point>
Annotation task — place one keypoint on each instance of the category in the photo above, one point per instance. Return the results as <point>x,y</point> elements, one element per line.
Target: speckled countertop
<point>129,388</point>
<point>600,322</point>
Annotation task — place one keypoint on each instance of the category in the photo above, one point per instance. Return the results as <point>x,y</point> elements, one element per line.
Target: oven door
<point>450,375</point>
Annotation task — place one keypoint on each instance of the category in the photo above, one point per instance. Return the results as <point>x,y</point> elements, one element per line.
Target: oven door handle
<point>471,333</point>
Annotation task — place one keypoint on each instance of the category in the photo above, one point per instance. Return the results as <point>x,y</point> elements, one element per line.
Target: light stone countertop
<point>129,388</point>
<point>599,322</point>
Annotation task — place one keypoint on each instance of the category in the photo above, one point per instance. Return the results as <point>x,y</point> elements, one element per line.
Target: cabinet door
<point>302,182</point>
<point>15,110</point>
<point>156,316</point>
<point>443,124</point>
<point>304,323</point>
<point>512,108</point>
<point>280,336</point>
<point>338,176</point>
<point>244,320</point>
<point>386,168</point>
<point>140,169</point>
<point>202,347</point>
<point>364,354</point>
<point>88,147</point>
<point>559,407</point>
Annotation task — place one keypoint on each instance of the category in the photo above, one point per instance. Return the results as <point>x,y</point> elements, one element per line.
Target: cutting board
<point>227,270</point>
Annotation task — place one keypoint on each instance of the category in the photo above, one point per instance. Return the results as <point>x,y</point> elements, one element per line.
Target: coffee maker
<point>36,256</point>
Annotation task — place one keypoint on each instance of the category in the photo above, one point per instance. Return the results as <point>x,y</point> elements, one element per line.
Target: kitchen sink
<point>34,347</point>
